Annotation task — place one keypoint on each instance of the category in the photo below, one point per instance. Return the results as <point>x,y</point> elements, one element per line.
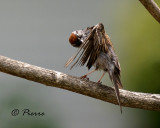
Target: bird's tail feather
<point>115,77</point>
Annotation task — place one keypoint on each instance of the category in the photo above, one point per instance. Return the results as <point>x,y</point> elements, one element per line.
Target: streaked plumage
<point>96,49</point>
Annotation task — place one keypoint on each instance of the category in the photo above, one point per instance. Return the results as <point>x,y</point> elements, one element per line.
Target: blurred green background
<point>37,32</point>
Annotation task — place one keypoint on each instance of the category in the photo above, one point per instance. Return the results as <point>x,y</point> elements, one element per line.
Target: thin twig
<point>152,7</point>
<point>75,84</point>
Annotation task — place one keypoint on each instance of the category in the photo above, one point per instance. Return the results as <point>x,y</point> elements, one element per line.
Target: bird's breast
<point>104,62</point>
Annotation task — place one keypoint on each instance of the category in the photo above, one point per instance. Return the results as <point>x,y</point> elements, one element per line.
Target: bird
<point>96,49</point>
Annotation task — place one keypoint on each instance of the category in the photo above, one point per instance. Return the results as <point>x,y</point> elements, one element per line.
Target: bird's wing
<point>81,50</point>
<point>95,43</point>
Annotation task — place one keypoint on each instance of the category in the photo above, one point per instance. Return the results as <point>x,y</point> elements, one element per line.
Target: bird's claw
<point>84,77</point>
<point>99,82</point>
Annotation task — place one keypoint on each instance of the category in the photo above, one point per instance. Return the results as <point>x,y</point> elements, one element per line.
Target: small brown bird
<point>96,49</point>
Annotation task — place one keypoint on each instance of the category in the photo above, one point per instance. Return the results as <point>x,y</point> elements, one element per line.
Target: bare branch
<point>74,84</point>
<point>152,7</point>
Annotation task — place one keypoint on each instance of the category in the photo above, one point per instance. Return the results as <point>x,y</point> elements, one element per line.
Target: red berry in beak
<point>74,41</point>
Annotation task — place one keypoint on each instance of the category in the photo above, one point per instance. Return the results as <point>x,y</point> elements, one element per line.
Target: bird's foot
<point>99,82</point>
<point>84,77</point>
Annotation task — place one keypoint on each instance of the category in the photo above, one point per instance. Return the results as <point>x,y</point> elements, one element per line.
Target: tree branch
<point>75,84</point>
<point>152,7</point>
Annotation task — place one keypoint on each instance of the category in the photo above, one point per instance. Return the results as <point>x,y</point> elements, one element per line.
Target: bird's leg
<point>99,81</point>
<point>88,74</point>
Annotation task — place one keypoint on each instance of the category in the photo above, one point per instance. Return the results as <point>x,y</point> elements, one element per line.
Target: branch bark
<point>152,7</point>
<point>60,80</point>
